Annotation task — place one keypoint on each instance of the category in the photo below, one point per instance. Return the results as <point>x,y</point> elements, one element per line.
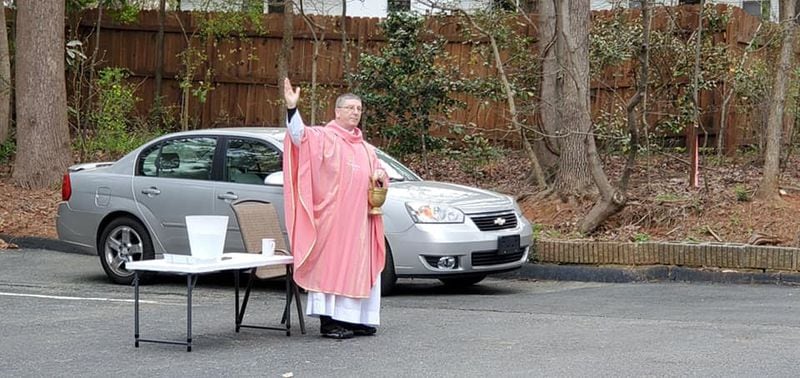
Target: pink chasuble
<point>338,248</point>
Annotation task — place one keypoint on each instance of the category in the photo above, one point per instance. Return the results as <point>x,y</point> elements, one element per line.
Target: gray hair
<point>347,96</point>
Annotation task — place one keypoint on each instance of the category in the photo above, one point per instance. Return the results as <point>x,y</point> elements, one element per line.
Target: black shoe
<point>333,329</point>
<point>336,332</point>
<point>360,329</point>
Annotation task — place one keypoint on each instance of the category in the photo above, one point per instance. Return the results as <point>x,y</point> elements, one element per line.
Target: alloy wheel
<point>123,244</point>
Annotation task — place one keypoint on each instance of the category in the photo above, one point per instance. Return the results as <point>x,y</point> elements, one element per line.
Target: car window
<point>185,158</point>
<point>249,161</point>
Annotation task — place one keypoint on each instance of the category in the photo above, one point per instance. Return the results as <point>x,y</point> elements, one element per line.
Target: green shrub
<point>538,229</point>
<point>742,195</point>
<point>474,154</point>
<point>406,83</point>
<point>115,133</point>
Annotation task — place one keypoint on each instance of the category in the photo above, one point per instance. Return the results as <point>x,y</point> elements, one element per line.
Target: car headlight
<point>423,212</point>
<point>516,205</point>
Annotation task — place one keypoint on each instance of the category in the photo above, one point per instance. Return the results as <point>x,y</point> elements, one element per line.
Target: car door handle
<point>151,191</point>
<point>228,196</point>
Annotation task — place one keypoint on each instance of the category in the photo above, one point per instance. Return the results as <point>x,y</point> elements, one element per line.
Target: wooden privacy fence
<point>243,71</point>
<point>617,84</point>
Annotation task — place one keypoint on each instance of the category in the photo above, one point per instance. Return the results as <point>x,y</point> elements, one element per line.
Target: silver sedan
<point>135,208</point>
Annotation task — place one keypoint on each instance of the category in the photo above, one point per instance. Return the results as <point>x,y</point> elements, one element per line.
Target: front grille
<point>492,258</point>
<point>495,221</point>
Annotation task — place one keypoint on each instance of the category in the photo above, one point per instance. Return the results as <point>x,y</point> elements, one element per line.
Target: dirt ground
<point>661,205</point>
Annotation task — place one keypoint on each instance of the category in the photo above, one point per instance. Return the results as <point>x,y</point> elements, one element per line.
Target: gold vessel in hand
<point>376,196</point>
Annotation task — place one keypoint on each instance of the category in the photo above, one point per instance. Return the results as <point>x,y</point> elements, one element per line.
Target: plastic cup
<point>268,247</point>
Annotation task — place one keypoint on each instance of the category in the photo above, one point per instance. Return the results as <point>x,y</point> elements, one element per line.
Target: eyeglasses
<point>352,108</point>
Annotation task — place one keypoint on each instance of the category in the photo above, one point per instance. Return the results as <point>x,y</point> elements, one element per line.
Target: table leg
<point>240,316</point>
<point>136,308</point>
<point>299,305</point>
<point>191,279</point>
<point>236,305</point>
<point>288,308</point>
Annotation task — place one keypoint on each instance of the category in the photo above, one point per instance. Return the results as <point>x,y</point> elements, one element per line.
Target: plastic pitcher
<point>206,236</point>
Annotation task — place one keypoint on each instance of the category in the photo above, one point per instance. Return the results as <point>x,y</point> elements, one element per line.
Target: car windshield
<point>396,170</point>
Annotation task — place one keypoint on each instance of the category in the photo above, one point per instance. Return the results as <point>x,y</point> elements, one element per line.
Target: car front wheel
<point>388,276</point>
<point>124,239</point>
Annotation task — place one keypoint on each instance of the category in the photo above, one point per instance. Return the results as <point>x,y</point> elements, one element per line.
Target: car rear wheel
<point>462,281</point>
<point>388,276</point>
<point>124,239</point>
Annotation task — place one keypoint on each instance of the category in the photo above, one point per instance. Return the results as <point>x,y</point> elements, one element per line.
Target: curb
<point>663,273</point>
<point>723,256</point>
<point>553,272</point>
<point>34,242</point>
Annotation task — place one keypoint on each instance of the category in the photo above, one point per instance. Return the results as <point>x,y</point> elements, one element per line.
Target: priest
<point>338,248</point>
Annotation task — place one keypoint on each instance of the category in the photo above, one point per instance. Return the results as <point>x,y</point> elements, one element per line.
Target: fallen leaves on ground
<point>661,206</point>
<point>26,212</point>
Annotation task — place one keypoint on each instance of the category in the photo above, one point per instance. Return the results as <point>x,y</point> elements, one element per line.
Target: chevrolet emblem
<point>500,221</point>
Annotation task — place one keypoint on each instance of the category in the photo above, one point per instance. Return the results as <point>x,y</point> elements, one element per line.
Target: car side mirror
<point>274,179</point>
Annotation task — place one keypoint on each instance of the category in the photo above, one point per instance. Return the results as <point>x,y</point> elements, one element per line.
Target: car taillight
<point>66,188</point>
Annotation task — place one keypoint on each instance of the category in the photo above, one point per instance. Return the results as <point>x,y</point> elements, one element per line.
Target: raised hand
<point>290,96</point>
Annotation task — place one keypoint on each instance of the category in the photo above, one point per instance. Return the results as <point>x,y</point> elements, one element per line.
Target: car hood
<point>468,199</point>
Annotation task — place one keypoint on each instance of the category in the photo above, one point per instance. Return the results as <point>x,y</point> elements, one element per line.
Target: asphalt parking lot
<point>61,317</point>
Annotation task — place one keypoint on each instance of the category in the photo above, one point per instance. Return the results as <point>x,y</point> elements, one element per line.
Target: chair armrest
<point>282,252</point>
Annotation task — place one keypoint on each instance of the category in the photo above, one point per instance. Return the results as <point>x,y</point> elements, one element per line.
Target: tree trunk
<point>12,36</point>
<point>319,39</point>
<point>159,54</point>
<point>787,135</point>
<point>314,66</point>
<point>93,59</point>
<point>547,146</point>
<point>345,50</point>
<point>285,54</point>
<point>573,178</point>
<point>768,188</point>
<point>612,200</point>
<point>43,150</point>
<point>723,116</point>
<point>5,81</point>
<point>692,142</point>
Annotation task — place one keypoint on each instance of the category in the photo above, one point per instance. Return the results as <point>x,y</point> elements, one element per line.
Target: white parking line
<point>74,298</point>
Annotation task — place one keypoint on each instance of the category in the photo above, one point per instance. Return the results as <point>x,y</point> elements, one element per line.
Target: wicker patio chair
<point>258,220</point>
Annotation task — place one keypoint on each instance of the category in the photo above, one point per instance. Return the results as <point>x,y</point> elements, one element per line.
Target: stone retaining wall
<point>698,255</point>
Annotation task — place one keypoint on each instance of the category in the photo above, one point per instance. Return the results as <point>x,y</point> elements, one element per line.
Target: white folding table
<point>229,261</point>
